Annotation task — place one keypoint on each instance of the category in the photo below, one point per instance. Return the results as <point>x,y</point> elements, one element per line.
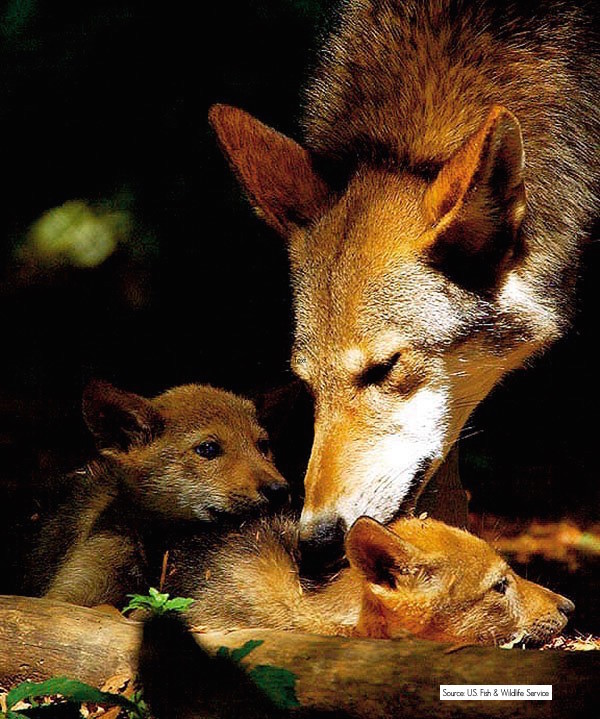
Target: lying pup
<point>173,464</point>
<point>419,576</point>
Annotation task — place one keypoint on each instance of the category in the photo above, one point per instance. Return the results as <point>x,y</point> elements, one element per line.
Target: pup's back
<point>249,578</point>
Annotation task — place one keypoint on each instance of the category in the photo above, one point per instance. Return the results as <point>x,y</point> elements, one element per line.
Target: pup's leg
<point>100,570</point>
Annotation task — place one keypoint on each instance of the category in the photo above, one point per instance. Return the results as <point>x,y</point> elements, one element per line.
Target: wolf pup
<point>434,217</point>
<point>181,462</point>
<point>418,576</point>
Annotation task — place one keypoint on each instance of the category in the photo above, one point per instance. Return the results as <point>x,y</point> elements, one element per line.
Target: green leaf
<point>70,689</point>
<point>141,706</point>
<point>159,598</point>
<point>223,653</point>
<point>238,654</point>
<point>136,602</point>
<point>157,602</point>
<point>178,604</point>
<point>277,683</point>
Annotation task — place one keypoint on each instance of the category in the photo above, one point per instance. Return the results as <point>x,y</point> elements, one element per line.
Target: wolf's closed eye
<point>378,372</point>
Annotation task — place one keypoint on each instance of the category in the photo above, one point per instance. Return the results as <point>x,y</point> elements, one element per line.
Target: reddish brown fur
<point>418,576</point>
<point>149,485</point>
<point>459,139</point>
<point>166,475</point>
<point>301,189</point>
<point>438,582</point>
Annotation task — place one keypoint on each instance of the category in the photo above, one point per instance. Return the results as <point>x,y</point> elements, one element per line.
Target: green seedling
<point>157,602</point>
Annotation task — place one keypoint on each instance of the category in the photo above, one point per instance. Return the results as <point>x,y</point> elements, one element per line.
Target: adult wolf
<point>434,214</point>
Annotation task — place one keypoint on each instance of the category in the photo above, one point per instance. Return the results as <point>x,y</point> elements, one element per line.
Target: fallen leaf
<point>112,713</point>
<point>116,684</point>
<point>585,643</point>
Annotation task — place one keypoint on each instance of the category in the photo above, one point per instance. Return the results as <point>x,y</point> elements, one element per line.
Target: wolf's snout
<point>566,607</point>
<point>276,493</point>
<point>321,546</point>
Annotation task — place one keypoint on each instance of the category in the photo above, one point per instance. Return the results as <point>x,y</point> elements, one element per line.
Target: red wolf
<point>434,216</point>
<point>418,576</point>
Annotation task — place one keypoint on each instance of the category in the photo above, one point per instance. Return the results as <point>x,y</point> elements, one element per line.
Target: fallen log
<point>333,675</point>
<point>40,638</point>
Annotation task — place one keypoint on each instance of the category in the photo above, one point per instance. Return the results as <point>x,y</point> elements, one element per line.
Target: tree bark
<point>41,638</point>
<point>337,676</point>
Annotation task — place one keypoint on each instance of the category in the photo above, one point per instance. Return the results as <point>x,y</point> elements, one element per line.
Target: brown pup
<point>434,212</point>
<point>169,465</point>
<point>418,576</point>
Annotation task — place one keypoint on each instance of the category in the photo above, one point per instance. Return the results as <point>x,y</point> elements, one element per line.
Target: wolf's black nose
<point>566,607</point>
<point>276,493</point>
<point>321,547</point>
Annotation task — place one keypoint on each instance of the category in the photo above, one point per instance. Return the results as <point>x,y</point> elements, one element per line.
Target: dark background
<point>106,102</point>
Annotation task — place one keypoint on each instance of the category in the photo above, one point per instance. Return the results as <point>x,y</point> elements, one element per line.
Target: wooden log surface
<point>40,638</point>
<point>334,676</point>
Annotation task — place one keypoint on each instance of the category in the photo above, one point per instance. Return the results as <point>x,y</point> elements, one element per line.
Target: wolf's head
<point>413,297</point>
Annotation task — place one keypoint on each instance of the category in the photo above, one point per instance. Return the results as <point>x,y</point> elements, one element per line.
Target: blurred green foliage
<point>15,17</point>
<point>76,234</point>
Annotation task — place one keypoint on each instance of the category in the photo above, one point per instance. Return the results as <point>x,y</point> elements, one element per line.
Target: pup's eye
<point>209,449</point>
<point>264,447</point>
<point>501,586</point>
<point>377,373</point>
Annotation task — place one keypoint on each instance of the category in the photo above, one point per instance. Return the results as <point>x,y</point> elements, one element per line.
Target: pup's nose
<point>321,547</point>
<point>277,494</point>
<point>566,607</point>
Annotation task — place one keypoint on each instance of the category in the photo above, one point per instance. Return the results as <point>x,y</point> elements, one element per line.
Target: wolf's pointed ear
<point>477,203</point>
<point>276,172</point>
<point>117,419</point>
<point>381,556</point>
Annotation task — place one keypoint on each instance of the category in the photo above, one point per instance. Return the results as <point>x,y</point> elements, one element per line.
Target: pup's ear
<point>276,172</point>
<point>477,203</point>
<point>382,557</point>
<point>118,419</point>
